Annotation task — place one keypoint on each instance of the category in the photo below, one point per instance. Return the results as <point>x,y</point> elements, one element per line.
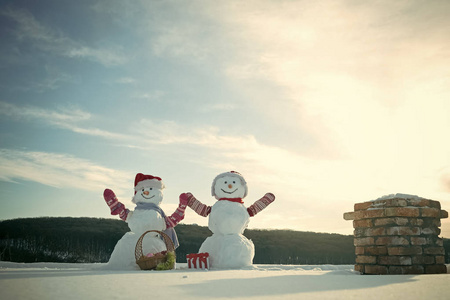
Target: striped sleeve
<point>260,204</point>
<point>197,206</point>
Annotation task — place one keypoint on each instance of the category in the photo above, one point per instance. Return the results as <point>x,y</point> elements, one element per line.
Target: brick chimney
<point>398,234</point>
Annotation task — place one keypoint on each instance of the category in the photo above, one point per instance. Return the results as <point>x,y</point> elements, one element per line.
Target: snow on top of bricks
<point>398,196</point>
<point>379,202</point>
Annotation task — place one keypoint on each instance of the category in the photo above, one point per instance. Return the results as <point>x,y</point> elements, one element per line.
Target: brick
<point>376,250</point>
<point>416,222</point>
<point>359,232</point>
<point>439,242</point>
<point>360,250</point>
<point>403,231</point>
<point>440,260</point>
<point>435,269</point>
<point>418,240</point>
<point>362,223</point>
<point>391,240</point>
<point>364,241</point>
<point>431,222</point>
<point>395,260</point>
<point>366,259</point>
<point>402,212</point>
<point>396,202</point>
<point>359,268</point>
<point>376,231</point>
<point>414,250</point>
<point>434,204</point>
<point>376,270</point>
<point>363,205</point>
<point>401,270</point>
<point>434,250</point>
<point>430,231</point>
<point>391,221</point>
<point>369,214</point>
<point>418,202</point>
<point>443,214</point>
<point>362,232</point>
<point>349,216</point>
<point>423,260</point>
<point>429,212</point>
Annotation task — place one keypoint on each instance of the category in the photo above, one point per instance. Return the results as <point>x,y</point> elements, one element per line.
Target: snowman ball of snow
<point>228,218</point>
<point>147,215</point>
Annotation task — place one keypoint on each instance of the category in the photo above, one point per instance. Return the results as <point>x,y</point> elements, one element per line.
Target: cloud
<point>66,118</point>
<point>51,116</point>
<point>126,80</point>
<point>53,81</point>
<point>54,41</point>
<point>218,107</point>
<point>154,95</point>
<point>170,132</point>
<point>58,170</point>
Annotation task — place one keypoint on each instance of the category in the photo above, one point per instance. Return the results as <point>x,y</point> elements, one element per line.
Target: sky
<point>323,103</point>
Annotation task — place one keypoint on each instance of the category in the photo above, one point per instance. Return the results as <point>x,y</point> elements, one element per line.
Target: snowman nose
<point>230,186</point>
<point>146,193</point>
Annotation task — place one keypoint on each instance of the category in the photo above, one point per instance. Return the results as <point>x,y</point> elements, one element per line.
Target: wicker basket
<point>150,263</point>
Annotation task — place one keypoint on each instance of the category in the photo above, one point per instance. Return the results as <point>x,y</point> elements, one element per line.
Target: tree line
<point>92,240</point>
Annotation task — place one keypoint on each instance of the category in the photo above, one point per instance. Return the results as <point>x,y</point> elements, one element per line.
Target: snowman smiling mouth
<point>146,197</point>
<point>229,192</point>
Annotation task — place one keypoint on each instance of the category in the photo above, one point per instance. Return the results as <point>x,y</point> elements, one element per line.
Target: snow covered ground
<point>89,281</point>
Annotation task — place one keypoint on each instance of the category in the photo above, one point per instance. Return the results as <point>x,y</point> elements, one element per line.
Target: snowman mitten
<point>117,208</point>
<point>177,216</point>
<point>197,206</point>
<point>260,204</point>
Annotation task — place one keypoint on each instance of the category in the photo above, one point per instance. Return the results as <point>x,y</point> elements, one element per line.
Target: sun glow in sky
<point>323,103</point>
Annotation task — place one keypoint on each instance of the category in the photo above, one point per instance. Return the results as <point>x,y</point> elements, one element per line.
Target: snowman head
<point>148,189</point>
<point>229,185</point>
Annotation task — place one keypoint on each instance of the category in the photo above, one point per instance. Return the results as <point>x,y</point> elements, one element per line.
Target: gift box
<point>198,260</point>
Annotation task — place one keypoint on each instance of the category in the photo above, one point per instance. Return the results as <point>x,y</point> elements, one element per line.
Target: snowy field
<point>89,281</point>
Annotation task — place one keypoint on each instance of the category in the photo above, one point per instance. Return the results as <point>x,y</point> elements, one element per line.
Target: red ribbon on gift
<point>198,260</point>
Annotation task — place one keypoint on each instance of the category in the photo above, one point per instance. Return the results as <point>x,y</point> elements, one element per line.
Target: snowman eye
<point>234,181</point>
<point>226,182</point>
<point>151,189</point>
<point>142,189</point>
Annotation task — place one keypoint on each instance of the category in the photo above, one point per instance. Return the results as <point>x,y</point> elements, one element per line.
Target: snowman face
<point>148,195</point>
<point>229,187</point>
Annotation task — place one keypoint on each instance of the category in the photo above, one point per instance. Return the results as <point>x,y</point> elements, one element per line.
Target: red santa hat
<point>143,181</point>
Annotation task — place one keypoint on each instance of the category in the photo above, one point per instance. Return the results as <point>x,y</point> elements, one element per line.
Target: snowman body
<point>228,217</point>
<point>139,221</point>
<point>227,247</point>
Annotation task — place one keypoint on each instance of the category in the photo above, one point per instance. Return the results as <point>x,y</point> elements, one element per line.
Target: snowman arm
<point>260,204</point>
<point>197,206</point>
<point>177,216</point>
<point>117,207</point>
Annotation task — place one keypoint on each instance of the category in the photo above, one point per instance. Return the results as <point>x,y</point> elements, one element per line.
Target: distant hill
<point>91,240</point>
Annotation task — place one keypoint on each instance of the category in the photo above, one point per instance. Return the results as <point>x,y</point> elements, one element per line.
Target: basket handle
<point>167,240</point>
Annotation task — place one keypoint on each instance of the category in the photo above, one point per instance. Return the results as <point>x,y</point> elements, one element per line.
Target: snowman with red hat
<point>228,218</point>
<point>147,215</point>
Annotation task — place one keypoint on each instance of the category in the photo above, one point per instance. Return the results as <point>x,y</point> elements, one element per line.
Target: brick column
<point>398,234</point>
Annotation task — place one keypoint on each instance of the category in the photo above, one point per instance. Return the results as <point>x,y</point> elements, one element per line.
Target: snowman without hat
<point>228,218</point>
<point>147,215</point>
